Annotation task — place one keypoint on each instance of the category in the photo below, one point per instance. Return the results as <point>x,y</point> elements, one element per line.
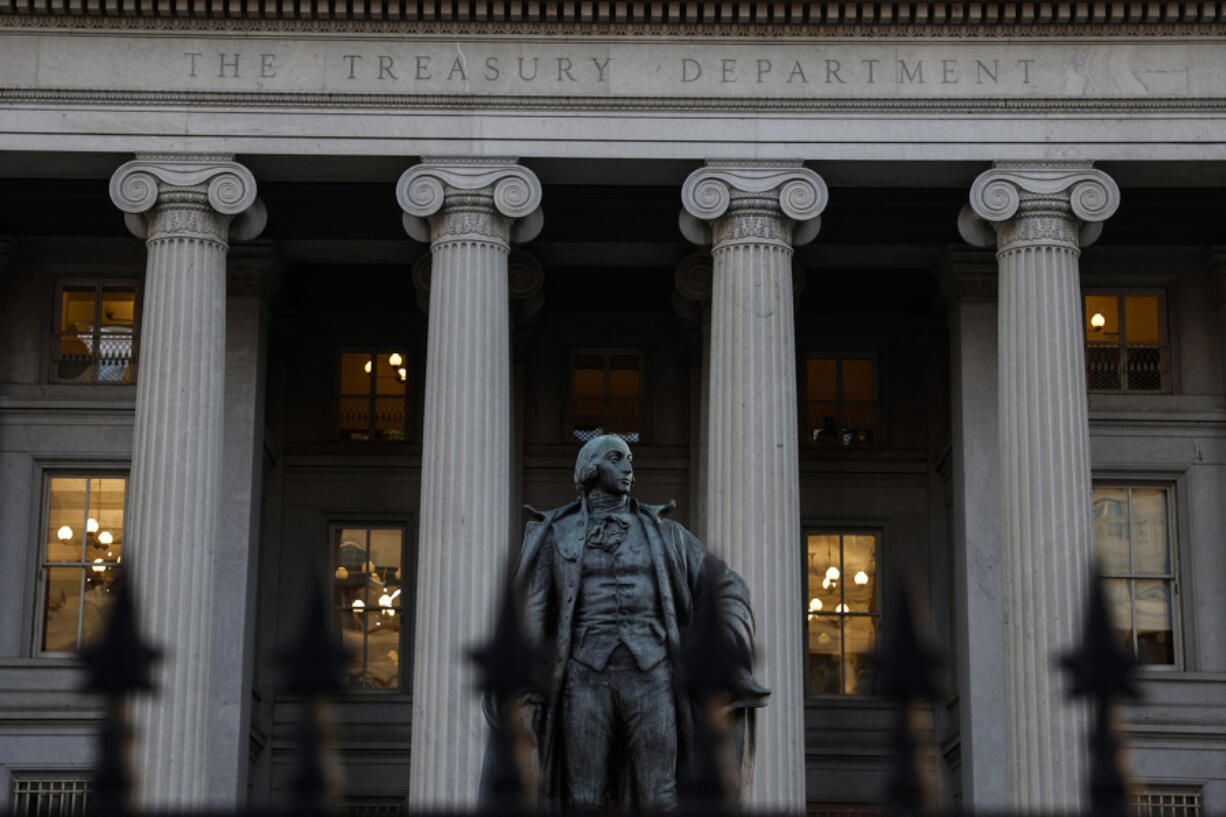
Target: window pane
<point>1141,318</point>
<point>857,379</point>
<point>821,379</point>
<point>1155,635</point>
<point>623,416</point>
<point>66,520</point>
<point>389,418</point>
<point>824,571</point>
<point>351,625</point>
<point>62,608</point>
<point>860,644</point>
<point>1150,542</point>
<point>589,413</point>
<point>1104,310</point>
<point>589,383</point>
<point>624,383</point>
<point>118,307</point>
<point>1103,367</point>
<point>97,600</point>
<point>349,575</point>
<point>389,380</point>
<point>1111,530</point>
<point>77,310</point>
<point>1145,367</point>
<point>623,362</point>
<point>858,423</point>
<point>824,653</point>
<point>821,420</point>
<point>383,650</point>
<point>860,573</point>
<point>104,525</point>
<point>1118,596</point>
<point>356,370</point>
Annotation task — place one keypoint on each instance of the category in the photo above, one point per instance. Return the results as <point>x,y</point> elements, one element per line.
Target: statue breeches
<point>622,703</point>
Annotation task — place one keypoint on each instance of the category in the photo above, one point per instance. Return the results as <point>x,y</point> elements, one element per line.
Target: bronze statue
<point>608,588</point>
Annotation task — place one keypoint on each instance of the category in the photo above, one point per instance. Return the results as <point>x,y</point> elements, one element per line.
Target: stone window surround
<point>48,470</point>
<point>78,274</point>
<point>1181,590</point>
<point>568,411</point>
<point>1165,332</point>
<point>412,388</point>
<point>407,524</point>
<point>825,524</point>
<point>809,353</point>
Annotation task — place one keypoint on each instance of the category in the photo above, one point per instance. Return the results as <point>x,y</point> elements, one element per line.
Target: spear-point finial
<point>906,670</point>
<point>116,666</point>
<point>1101,670</point>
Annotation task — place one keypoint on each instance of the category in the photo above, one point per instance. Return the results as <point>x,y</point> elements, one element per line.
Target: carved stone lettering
<point>762,70</point>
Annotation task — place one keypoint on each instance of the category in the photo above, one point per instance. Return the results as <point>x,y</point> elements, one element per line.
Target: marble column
<point>184,206</point>
<point>474,208</point>
<point>1041,214</point>
<point>752,213</point>
<point>968,279</point>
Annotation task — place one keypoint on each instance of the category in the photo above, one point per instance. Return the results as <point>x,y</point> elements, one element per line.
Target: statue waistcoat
<point>618,602</point>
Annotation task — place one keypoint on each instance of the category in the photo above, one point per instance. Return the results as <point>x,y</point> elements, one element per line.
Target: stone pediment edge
<point>316,101</point>
<point>377,17</point>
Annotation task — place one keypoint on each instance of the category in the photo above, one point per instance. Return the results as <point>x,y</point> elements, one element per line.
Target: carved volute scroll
<point>470,198</point>
<point>187,196</point>
<point>773,202</point>
<point>1039,203</point>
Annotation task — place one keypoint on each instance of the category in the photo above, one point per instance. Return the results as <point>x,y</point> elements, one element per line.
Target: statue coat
<point>547,581</point>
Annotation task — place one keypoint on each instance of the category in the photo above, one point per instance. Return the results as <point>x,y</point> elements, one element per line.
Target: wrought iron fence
<point>120,664</point>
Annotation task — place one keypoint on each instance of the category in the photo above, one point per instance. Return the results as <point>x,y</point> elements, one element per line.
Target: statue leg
<point>587,719</point>
<point>650,715</point>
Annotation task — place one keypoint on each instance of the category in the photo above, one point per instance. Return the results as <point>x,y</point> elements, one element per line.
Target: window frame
<point>802,394</point>
<point>98,283</point>
<point>408,581</point>
<point>1175,535</point>
<point>40,563</point>
<point>1167,371</point>
<point>843,528</point>
<point>411,389</point>
<point>49,774</point>
<point>606,352</point>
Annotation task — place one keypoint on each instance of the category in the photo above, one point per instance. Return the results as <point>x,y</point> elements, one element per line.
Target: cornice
<point>715,18</point>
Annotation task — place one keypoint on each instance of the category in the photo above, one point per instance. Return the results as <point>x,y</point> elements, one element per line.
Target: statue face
<point>614,472</point>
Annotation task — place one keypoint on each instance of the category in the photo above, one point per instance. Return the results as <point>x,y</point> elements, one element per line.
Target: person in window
<point>608,586</point>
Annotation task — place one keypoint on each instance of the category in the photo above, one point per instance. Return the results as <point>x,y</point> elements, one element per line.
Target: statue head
<point>604,463</point>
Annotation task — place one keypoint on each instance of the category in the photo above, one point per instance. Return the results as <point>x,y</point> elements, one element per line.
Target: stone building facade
<point>319,292</point>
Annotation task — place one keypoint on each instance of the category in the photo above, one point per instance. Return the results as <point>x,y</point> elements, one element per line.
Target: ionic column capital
<point>771,202</point>
<point>470,198</point>
<point>1038,203</point>
<point>188,196</point>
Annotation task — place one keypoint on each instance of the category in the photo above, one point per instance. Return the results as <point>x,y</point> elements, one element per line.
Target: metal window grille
<point>1165,802</point>
<point>373,807</point>
<point>50,796</point>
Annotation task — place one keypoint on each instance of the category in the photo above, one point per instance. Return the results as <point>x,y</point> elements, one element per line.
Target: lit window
<point>1132,537</point>
<point>840,400</point>
<point>95,337</point>
<point>50,794</point>
<point>374,395</point>
<point>842,611</point>
<point>83,545</point>
<point>367,565</point>
<point>606,394</point>
<point>1126,346</point>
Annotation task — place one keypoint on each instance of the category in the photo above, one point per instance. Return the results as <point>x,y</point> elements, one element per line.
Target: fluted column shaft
<point>1040,214</point>
<point>466,476</point>
<point>174,495</point>
<point>753,508</point>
